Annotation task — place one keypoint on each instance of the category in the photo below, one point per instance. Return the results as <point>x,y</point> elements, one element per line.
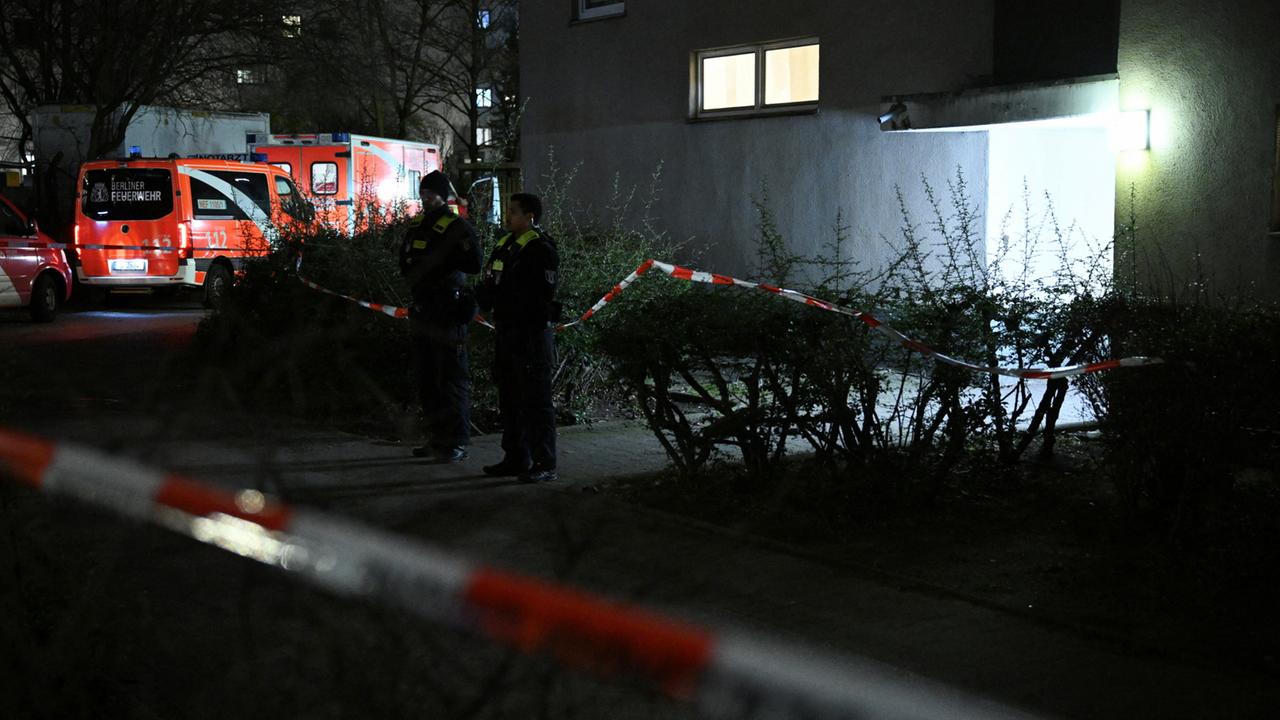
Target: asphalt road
<point>181,630</point>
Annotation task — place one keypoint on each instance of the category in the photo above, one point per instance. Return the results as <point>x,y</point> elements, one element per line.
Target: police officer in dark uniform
<point>519,285</point>
<point>439,251</point>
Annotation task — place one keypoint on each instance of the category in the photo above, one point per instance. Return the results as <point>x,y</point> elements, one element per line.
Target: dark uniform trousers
<point>524,357</point>
<point>444,383</point>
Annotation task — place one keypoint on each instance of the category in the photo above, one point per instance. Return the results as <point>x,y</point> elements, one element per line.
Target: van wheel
<point>44,298</point>
<point>217,286</point>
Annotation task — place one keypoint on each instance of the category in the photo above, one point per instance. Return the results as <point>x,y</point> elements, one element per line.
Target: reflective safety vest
<point>496,265</point>
<point>439,228</point>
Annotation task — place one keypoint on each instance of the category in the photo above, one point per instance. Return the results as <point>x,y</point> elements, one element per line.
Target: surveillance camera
<point>896,112</point>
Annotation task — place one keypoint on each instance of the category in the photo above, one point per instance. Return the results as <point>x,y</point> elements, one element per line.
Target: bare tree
<point>476,83</point>
<point>409,39</point>
<point>116,57</point>
<point>443,70</point>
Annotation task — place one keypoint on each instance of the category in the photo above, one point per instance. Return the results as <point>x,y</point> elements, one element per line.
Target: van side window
<point>287,167</point>
<point>415,178</point>
<point>324,178</point>
<point>292,202</point>
<point>211,203</point>
<point>10,223</point>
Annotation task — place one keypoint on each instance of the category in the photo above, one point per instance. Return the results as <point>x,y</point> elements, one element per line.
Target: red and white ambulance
<point>347,177</point>
<point>33,268</point>
<point>148,223</point>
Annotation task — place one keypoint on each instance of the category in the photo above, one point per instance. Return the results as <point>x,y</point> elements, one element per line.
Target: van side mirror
<point>300,207</point>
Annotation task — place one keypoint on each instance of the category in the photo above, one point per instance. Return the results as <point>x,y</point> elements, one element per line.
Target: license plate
<point>128,266</point>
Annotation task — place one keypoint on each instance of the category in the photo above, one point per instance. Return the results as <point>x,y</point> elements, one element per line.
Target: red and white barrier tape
<point>30,245</point>
<point>611,295</point>
<point>689,275</point>
<point>726,675</point>
<point>392,310</point>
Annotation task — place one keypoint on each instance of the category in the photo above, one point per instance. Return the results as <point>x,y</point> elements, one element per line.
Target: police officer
<point>519,285</point>
<point>439,251</point>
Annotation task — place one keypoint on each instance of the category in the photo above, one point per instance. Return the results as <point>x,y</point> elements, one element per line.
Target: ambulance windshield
<point>127,194</point>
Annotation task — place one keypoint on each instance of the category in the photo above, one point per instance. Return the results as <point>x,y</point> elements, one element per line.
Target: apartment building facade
<point>1086,114</point>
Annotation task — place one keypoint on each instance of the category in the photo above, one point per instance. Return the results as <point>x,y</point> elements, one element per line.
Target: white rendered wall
<point>611,98</point>
<point>1037,175</point>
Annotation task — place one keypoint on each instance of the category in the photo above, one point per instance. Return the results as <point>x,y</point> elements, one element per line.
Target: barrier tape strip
<point>29,245</point>
<point>682,273</point>
<point>392,310</point>
<point>726,675</point>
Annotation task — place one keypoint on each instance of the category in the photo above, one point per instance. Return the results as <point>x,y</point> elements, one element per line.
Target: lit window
<point>729,81</point>
<point>594,9</point>
<point>484,97</point>
<point>771,77</point>
<point>249,77</point>
<point>484,18</point>
<point>415,181</point>
<point>292,25</point>
<point>791,75</point>
<point>484,136</point>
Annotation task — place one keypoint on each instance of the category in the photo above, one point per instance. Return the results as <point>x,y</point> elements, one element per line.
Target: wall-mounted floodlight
<point>897,115</point>
<point>1131,130</point>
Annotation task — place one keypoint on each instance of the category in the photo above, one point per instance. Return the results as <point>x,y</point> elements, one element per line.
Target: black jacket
<point>438,252</point>
<point>519,282</point>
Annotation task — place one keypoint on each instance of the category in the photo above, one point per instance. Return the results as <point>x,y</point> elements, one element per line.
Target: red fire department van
<point>344,175</point>
<point>33,269</point>
<point>148,223</point>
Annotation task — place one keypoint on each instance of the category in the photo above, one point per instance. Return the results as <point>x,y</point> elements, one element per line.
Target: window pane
<point>10,223</point>
<point>127,194</point>
<point>791,75</point>
<point>729,81</point>
<point>221,203</point>
<point>589,9</point>
<point>324,178</point>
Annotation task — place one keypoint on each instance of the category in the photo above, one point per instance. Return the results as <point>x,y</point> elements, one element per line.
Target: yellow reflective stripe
<point>444,222</point>
<point>524,239</point>
<point>528,237</point>
<point>419,244</point>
